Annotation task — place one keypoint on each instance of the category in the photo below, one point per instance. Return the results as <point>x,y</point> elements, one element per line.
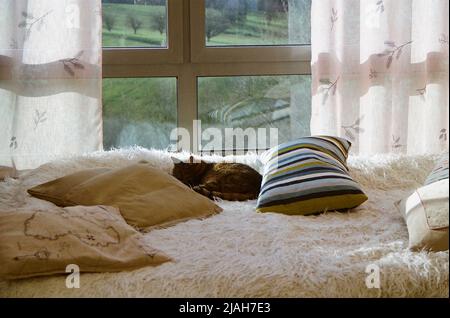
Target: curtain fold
<point>380,74</point>
<point>50,80</point>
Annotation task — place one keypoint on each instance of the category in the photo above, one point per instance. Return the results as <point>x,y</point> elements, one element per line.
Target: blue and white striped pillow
<point>309,176</point>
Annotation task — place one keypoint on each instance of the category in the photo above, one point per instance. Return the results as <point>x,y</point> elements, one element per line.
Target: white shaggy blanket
<point>240,253</point>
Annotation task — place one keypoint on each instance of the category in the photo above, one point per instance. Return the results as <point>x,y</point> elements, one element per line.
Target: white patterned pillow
<point>426,211</point>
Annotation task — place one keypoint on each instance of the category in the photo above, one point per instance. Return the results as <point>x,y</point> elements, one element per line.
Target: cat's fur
<point>227,181</point>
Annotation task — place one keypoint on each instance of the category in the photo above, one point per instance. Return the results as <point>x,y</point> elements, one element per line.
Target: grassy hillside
<point>140,111</point>
<point>255,31</point>
<point>123,35</point>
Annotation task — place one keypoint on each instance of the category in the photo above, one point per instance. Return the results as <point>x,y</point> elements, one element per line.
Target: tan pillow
<point>56,190</point>
<point>147,197</point>
<point>97,239</point>
<point>7,172</point>
<point>426,213</point>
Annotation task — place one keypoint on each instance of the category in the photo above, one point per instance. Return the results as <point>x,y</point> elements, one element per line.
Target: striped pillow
<point>440,172</point>
<point>309,176</point>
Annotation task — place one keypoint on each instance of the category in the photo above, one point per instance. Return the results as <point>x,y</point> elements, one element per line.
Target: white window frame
<point>187,58</point>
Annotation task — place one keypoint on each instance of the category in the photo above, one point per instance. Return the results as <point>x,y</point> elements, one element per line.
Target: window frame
<point>187,58</point>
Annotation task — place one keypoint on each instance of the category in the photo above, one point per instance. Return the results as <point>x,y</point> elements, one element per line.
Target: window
<point>255,102</point>
<point>139,111</point>
<point>126,24</point>
<point>261,23</point>
<point>248,56</point>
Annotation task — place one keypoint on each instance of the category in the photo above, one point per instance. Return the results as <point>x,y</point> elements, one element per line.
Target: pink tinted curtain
<point>381,74</point>
<point>50,80</point>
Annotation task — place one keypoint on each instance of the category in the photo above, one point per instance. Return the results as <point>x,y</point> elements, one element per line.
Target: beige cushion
<point>55,191</point>
<point>426,213</point>
<point>97,239</point>
<point>147,197</point>
<point>7,172</point>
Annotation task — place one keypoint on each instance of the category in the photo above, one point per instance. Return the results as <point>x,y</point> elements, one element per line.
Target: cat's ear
<point>176,161</point>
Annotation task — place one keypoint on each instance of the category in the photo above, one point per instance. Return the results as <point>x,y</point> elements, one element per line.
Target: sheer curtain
<point>380,74</point>
<point>50,80</point>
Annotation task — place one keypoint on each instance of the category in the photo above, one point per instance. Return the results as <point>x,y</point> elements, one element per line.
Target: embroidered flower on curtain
<point>29,22</point>
<point>72,64</point>
<point>393,52</point>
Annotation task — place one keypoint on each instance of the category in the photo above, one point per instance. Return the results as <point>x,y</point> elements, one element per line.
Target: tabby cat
<point>227,181</point>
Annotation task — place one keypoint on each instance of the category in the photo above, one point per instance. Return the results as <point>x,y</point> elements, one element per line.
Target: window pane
<point>282,102</point>
<point>258,22</point>
<point>139,111</point>
<point>134,23</point>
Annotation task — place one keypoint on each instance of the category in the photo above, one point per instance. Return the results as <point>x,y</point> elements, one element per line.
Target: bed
<point>240,253</point>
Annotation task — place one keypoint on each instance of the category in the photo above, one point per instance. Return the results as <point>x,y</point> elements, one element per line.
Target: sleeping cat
<point>227,181</point>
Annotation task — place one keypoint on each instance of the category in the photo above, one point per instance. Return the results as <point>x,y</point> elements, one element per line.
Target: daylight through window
<point>228,63</point>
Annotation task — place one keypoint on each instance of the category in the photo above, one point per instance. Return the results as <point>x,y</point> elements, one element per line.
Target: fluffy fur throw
<point>240,253</point>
